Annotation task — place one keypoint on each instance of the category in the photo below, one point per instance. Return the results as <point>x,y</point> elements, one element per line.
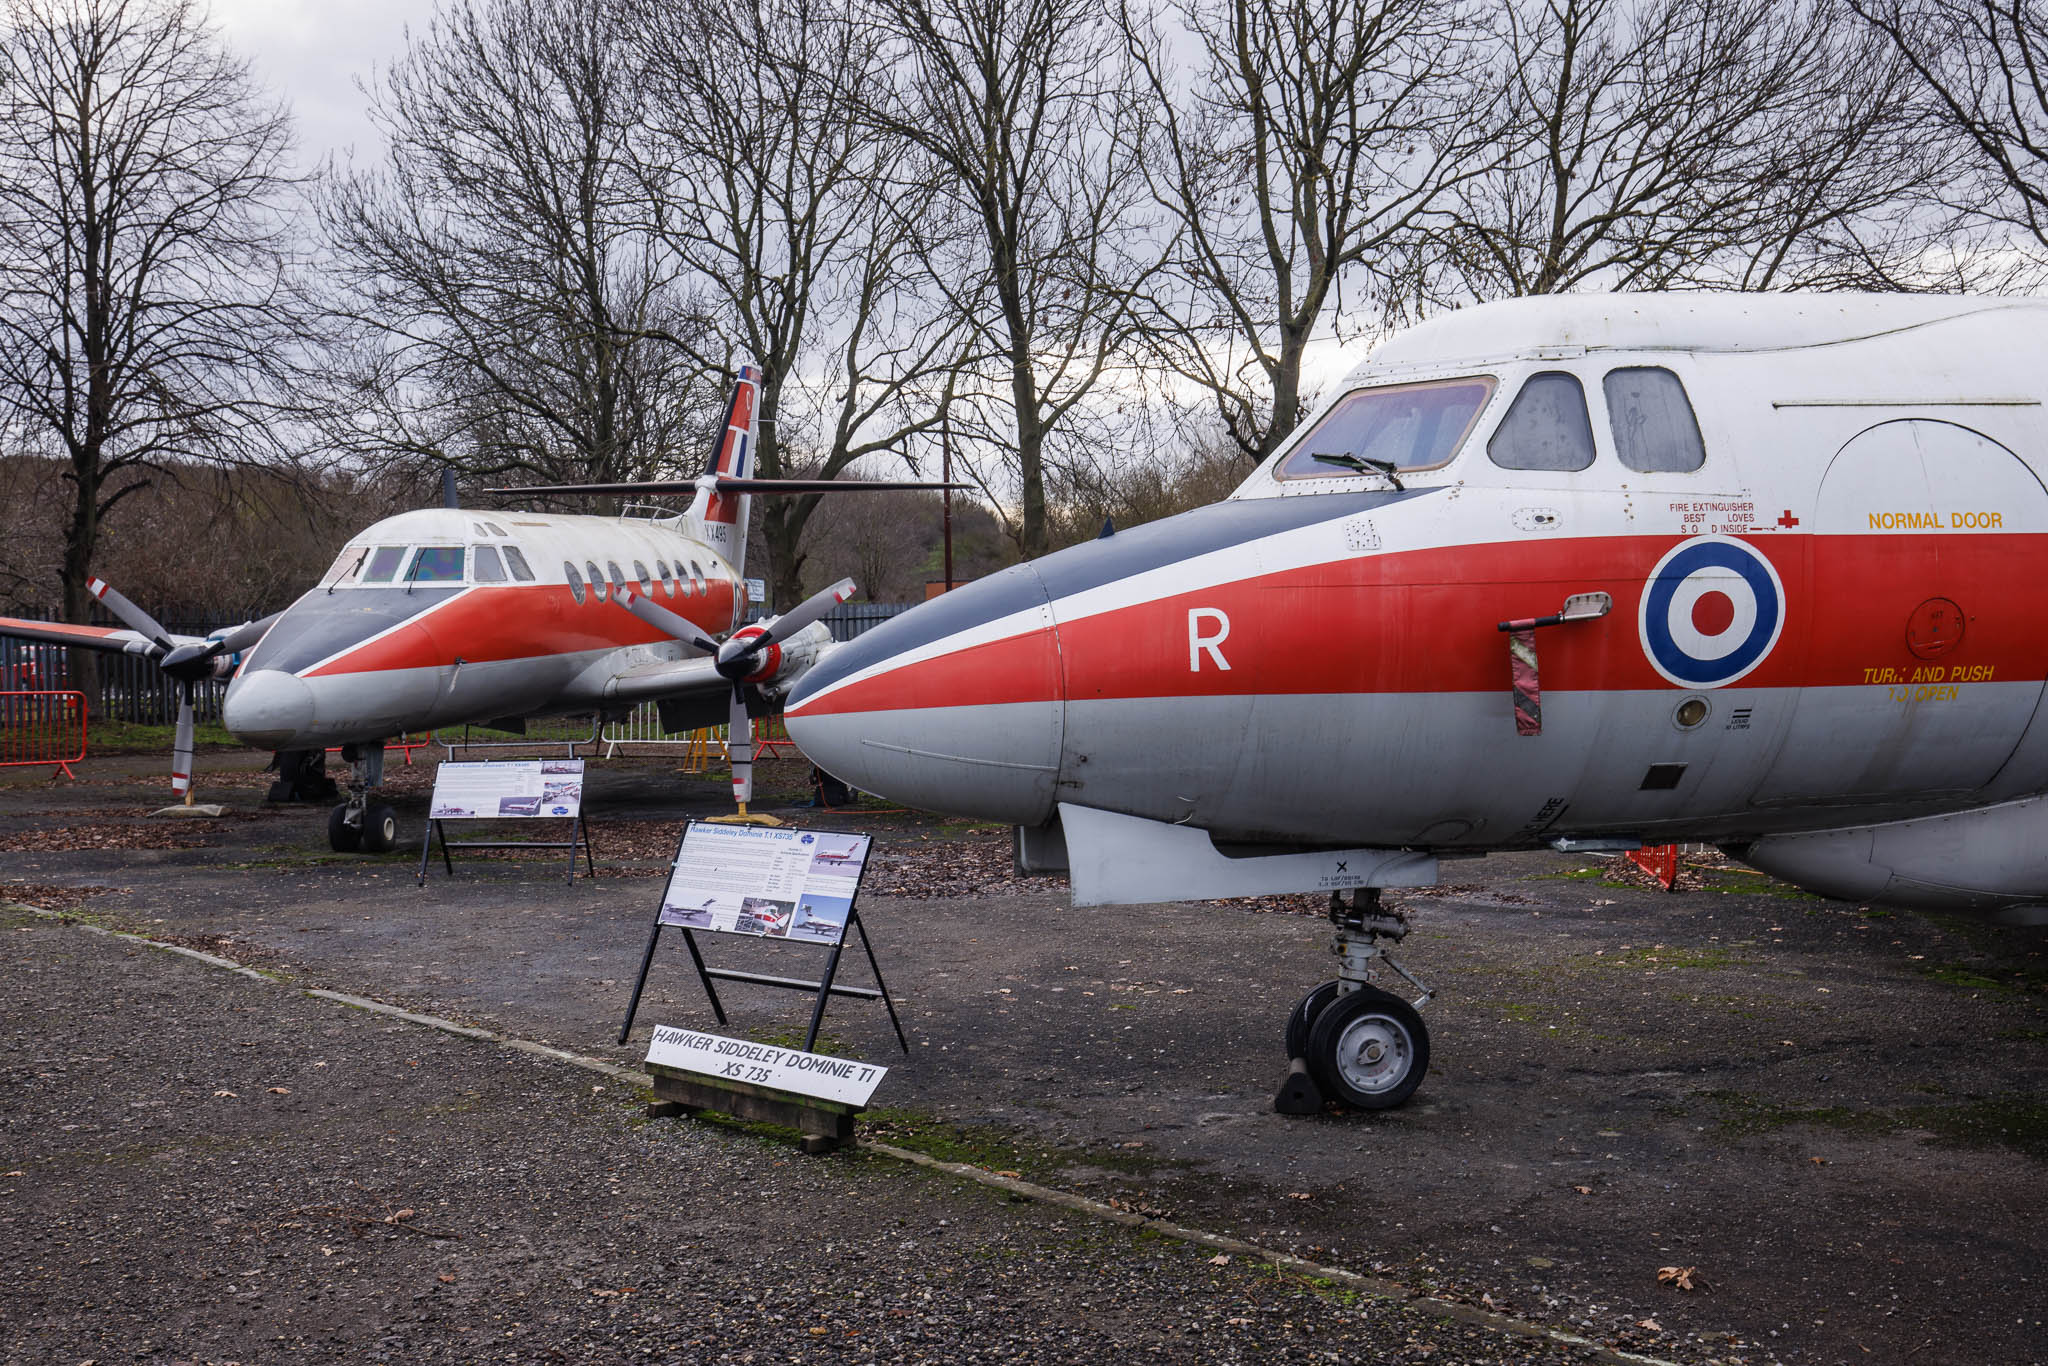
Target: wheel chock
<point>1299,1094</point>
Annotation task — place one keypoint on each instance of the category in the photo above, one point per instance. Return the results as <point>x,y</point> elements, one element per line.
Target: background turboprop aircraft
<point>1587,572</point>
<point>445,615</point>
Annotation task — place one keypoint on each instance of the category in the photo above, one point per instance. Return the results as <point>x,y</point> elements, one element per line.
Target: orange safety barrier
<point>42,728</point>
<point>1660,861</point>
<point>400,743</point>
<point>770,735</point>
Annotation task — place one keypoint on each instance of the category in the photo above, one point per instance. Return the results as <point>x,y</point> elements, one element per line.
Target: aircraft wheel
<point>1303,1017</point>
<point>1369,1049</point>
<point>380,829</point>
<point>342,837</point>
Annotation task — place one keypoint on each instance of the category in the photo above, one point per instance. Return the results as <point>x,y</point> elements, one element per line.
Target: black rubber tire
<point>1303,1016</point>
<point>342,837</point>
<point>1387,1046</point>
<point>380,828</point>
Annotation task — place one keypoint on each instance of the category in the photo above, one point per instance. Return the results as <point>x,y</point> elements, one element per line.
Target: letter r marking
<point>1198,643</point>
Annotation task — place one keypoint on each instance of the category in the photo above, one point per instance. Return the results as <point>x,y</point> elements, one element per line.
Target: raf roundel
<point>1712,610</point>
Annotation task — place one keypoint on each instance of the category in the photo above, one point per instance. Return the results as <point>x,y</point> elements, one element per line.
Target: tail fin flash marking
<point>735,454</point>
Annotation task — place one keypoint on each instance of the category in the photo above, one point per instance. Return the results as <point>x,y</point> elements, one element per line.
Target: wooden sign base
<point>825,1125</point>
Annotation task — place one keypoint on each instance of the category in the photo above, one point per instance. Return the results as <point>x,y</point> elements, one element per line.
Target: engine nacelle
<point>1988,859</point>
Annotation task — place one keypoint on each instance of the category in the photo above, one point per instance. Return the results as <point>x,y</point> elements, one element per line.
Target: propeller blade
<point>661,619</point>
<point>778,629</point>
<point>739,746</point>
<point>133,617</point>
<point>181,750</point>
<point>245,636</point>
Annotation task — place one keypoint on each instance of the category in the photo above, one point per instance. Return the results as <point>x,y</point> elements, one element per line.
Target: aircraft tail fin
<point>725,514</point>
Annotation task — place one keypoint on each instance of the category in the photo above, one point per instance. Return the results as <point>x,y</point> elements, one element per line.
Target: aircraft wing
<point>113,639</point>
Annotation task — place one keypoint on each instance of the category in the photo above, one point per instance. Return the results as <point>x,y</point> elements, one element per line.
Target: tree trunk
<point>81,539</point>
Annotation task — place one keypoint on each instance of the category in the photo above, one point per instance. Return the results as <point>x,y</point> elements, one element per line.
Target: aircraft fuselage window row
<point>1421,426</point>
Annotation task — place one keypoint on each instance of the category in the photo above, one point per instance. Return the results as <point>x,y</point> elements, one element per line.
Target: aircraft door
<point>1919,663</point>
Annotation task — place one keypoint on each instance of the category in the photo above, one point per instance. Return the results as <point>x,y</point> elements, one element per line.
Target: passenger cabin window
<point>596,579</point>
<point>1546,427</point>
<point>1409,426</point>
<point>697,578</point>
<point>618,579</point>
<point>1655,431</point>
<point>436,564</point>
<point>661,576</point>
<point>516,562</point>
<point>640,573</point>
<point>485,566</point>
<point>575,580</point>
<point>384,562</point>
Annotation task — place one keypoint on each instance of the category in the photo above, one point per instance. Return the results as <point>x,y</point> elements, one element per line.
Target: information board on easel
<point>798,886</point>
<point>507,789</point>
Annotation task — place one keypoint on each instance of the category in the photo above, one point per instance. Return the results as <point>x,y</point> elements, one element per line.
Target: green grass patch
<point>2016,1123</point>
<point>128,737</point>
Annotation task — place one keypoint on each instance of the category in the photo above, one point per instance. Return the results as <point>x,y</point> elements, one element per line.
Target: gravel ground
<point>202,1167</point>
<point>1838,1116</point>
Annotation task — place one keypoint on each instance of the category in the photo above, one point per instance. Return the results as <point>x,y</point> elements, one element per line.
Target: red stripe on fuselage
<point>1424,622</point>
<point>520,621</point>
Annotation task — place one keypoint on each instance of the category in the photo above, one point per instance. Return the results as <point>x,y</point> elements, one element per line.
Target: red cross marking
<point>1788,519</point>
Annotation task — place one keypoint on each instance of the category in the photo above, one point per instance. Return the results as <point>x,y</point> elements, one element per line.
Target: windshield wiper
<point>348,572</point>
<point>1363,464</point>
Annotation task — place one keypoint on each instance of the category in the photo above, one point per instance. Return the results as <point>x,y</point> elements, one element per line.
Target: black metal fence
<point>131,689</point>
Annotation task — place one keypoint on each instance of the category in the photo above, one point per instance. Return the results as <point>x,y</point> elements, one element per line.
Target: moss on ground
<point>2019,1123</point>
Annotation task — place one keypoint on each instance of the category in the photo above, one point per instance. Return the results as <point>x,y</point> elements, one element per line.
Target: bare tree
<point>1299,159</point>
<point>144,253</point>
<point>773,195</point>
<point>504,308</point>
<point>1017,114</point>
<point>1981,70</point>
<point>1677,142</point>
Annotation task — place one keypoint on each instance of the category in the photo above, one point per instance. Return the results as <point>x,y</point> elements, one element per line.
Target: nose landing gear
<point>1348,1040</point>
<point>360,824</point>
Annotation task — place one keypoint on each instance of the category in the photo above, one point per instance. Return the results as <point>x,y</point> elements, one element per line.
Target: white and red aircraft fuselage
<point>1764,571</point>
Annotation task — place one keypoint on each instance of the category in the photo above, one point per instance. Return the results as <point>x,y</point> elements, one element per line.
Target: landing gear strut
<point>360,823</point>
<point>1348,1040</point>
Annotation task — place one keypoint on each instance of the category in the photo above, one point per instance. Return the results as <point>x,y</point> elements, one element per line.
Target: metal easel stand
<point>579,838</point>
<point>825,987</point>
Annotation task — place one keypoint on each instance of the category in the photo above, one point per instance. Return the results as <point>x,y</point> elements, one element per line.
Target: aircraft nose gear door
<point>1924,618</point>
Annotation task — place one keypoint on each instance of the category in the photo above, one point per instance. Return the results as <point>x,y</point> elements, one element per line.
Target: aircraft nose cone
<point>268,709</point>
<point>955,706</point>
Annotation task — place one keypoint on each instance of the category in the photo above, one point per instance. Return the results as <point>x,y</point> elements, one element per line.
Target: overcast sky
<point>313,53</point>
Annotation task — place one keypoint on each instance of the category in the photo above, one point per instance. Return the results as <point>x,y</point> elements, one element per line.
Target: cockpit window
<point>516,562</point>
<point>1546,427</point>
<point>484,565</point>
<point>1655,431</point>
<point>1407,426</point>
<point>346,564</point>
<point>436,564</point>
<point>384,562</point>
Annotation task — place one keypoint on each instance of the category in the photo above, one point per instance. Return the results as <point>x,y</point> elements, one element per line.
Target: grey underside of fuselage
<point>1449,771</point>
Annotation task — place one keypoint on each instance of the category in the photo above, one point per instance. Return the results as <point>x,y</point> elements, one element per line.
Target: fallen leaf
<point>445,1279</point>
<point>1818,1161</point>
<point>1220,1259</point>
<point>225,1095</point>
<point>1299,1195</point>
<point>819,1332</point>
<point>17,1173</point>
<point>1014,1176</point>
<point>280,1091</point>
<point>1650,1324</point>
<point>402,1214</point>
<point>1681,1276</point>
<point>1237,1323</point>
<point>1583,1190</point>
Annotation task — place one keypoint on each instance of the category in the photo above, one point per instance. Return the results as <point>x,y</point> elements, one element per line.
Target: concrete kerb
<point>1029,1190</point>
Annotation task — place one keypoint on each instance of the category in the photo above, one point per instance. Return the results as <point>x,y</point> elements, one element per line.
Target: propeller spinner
<point>750,655</point>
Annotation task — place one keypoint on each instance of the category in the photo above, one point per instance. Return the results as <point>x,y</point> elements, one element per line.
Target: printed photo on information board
<point>514,788</point>
<point>779,884</point>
